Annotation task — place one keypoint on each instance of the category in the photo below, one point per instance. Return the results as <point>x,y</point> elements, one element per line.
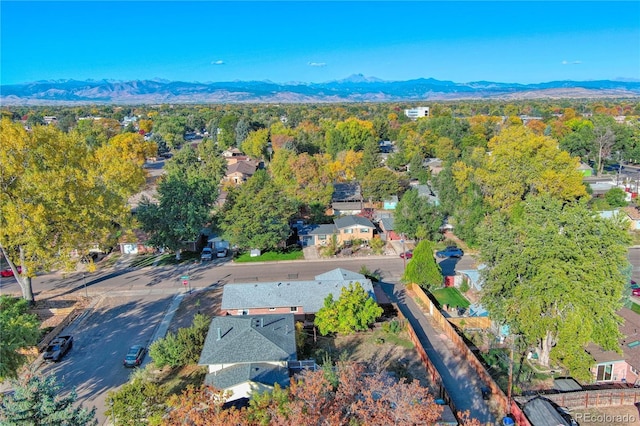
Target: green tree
<point>227,136</point>
<point>257,215</point>
<point>186,197</point>
<point>255,143</point>
<point>38,401</point>
<point>355,310</point>
<point>616,197</point>
<point>370,158</point>
<point>423,269</point>
<point>19,329</point>
<point>356,134</point>
<point>417,169</point>
<point>414,213</point>
<point>172,129</point>
<point>137,403</point>
<point>555,275</point>
<point>380,183</point>
<point>242,131</point>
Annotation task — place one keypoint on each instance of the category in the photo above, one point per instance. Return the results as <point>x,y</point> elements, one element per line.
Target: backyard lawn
<point>450,296</point>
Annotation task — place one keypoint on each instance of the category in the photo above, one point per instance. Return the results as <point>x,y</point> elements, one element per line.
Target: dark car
<point>58,348</point>
<point>9,272</point>
<point>207,254</point>
<point>135,356</point>
<point>451,251</point>
<point>406,255</point>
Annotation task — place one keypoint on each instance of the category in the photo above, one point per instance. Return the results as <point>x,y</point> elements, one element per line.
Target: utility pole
<point>510,385</point>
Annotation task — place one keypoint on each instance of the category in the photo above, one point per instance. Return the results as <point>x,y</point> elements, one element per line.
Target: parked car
<point>635,292</point>
<point>222,252</point>
<point>406,255</point>
<point>451,251</point>
<point>8,272</point>
<point>135,356</point>
<point>207,254</point>
<point>58,348</point>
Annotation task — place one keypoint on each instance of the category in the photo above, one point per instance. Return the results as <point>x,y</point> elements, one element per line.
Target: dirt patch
<point>608,416</point>
<point>52,312</point>
<point>378,349</point>
<point>206,302</point>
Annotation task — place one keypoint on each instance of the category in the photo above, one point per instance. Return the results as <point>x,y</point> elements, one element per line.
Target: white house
<point>418,112</point>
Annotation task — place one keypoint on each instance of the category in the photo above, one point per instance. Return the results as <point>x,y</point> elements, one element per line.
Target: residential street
<point>130,304</point>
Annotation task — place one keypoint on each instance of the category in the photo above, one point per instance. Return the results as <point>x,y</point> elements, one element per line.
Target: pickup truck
<point>58,348</point>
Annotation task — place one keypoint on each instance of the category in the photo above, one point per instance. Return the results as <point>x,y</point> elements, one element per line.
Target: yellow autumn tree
<point>57,195</point>
<point>520,163</point>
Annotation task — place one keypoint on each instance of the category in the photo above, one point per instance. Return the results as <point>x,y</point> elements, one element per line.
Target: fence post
<point>586,400</point>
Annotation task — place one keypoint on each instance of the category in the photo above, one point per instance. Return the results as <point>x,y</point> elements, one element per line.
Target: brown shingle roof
<point>243,167</point>
<point>630,329</point>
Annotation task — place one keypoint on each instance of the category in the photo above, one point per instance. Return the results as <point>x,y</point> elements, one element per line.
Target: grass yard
<point>144,260</point>
<point>450,296</point>
<point>635,308</point>
<point>271,256</point>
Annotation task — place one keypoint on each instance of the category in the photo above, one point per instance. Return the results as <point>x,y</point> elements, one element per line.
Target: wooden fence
<point>592,398</point>
<point>432,310</point>
<point>471,322</point>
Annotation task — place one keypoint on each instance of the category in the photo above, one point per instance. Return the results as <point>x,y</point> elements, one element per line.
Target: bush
<point>183,348</point>
<point>464,287</point>
<point>377,245</point>
<point>392,327</point>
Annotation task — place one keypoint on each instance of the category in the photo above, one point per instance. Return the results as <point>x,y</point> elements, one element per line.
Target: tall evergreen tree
<point>423,269</point>
<point>37,401</point>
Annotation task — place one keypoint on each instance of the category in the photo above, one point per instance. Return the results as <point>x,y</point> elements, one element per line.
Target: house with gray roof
<point>246,354</point>
<point>623,366</point>
<point>387,226</point>
<point>345,229</point>
<point>346,199</point>
<point>289,297</point>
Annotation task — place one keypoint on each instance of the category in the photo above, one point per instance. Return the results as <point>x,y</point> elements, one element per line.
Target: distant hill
<point>356,88</point>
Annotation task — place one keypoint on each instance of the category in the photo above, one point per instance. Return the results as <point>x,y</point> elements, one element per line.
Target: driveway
<point>459,379</point>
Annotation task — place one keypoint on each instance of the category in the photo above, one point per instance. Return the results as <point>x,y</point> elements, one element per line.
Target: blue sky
<point>521,42</point>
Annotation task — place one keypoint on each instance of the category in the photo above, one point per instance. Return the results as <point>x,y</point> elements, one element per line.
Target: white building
<point>415,113</point>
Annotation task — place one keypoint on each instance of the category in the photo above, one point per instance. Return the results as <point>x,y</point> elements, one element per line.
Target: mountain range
<point>356,88</point>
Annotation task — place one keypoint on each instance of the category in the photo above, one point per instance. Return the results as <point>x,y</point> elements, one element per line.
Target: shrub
<point>464,287</point>
<point>393,327</point>
<point>377,245</point>
<point>182,348</point>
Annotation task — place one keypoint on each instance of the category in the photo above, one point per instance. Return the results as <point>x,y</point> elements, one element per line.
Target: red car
<point>9,273</point>
<point>635,292</point>
<point>406,255</point>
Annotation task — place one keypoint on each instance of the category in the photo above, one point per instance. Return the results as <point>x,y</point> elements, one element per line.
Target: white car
<point>222,252</point>
<point>207,254</point>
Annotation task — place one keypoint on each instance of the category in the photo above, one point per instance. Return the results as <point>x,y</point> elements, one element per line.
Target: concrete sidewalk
<point>459,379</point>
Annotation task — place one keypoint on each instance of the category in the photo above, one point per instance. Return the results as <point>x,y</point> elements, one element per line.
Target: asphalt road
<point>93,366</point>
<point>132,302</point>
<point>167,279</point>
